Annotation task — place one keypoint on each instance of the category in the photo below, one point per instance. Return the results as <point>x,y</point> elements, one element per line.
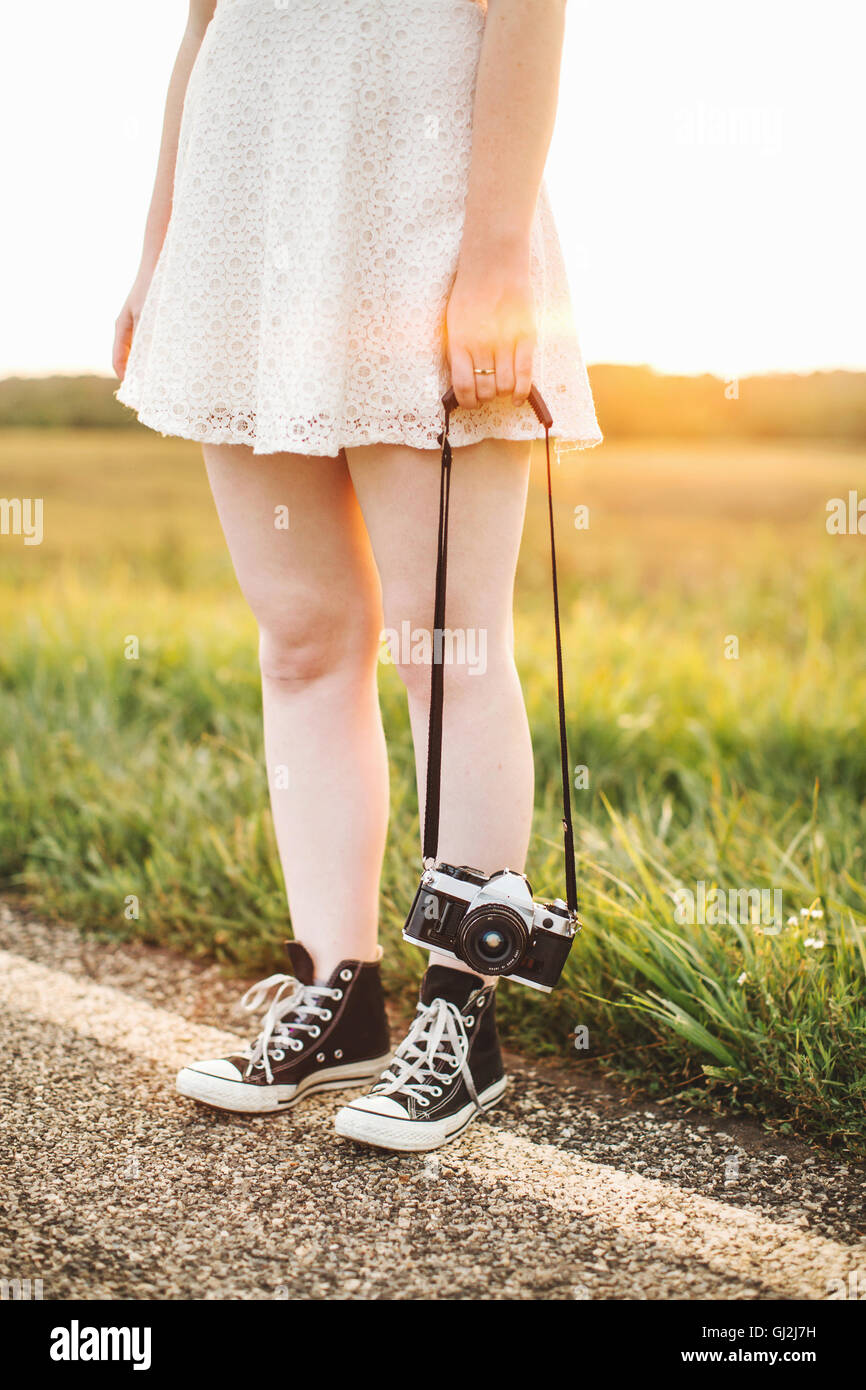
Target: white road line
<point>110,1016</point>
<point>658,1218</point>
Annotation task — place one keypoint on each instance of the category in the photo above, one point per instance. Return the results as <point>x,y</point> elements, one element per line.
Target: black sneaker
<point>313,1038</point>
<point>447,1070</point>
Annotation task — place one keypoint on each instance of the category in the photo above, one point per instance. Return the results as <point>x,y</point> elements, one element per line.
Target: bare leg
<point>487,767</point>
<point>314,592</point>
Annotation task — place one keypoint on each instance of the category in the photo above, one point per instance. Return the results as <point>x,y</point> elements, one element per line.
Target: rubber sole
<point>412,1136</point>
<point>221,1093</point>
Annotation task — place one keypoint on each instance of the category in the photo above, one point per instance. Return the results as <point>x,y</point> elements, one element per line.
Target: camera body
<point>492,924</point>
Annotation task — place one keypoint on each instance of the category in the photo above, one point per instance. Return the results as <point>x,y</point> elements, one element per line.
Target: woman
<point>348,217</point>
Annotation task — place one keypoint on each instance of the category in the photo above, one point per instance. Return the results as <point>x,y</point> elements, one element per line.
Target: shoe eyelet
<point>345,974</point>
<point>480,1000</point>
<point>338,994</point>
<point>327,1015</point>
<point>320,1056</point>
<point>339,1052</point>
<point>278,1054</point>
<point>259,1066</point>
<point>297,1045</point>
<point>315,1031</point>
<point>447,1080</point>
<point>470,1020</point>
<point>437,1090</point>
<point>422,1100</point>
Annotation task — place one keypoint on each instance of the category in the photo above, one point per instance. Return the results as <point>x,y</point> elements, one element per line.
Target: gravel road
<point>117,1188</point>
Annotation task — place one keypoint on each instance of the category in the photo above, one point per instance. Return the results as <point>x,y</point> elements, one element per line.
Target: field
<point>716,680</point>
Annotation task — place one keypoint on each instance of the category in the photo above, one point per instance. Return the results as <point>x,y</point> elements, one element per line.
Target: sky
<point>706,173</point>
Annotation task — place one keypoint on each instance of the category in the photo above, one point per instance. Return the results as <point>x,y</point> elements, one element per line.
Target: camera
<point>492,924</point>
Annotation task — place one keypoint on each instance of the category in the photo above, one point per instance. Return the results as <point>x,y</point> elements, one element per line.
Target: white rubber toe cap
<point>380,1105</point>
<point>220,1067</point>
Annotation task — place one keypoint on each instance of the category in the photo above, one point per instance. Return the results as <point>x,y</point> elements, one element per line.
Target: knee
<point>301,644</point>
<point>295,654</point>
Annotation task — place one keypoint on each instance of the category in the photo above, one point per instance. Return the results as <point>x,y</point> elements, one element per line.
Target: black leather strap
<point>437,676</point>
<point>437,670</point>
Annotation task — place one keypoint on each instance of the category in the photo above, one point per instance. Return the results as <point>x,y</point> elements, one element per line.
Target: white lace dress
<point>299,300</point>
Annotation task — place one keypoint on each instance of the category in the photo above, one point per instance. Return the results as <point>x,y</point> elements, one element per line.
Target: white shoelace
<point>437,1036</point>
<point>277,1035</point>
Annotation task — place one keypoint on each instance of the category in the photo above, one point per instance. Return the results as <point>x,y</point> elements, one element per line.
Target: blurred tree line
<point>638,402</point>
<point>633,402</point>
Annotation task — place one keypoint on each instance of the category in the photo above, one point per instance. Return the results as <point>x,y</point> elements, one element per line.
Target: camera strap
<point>437,676</point>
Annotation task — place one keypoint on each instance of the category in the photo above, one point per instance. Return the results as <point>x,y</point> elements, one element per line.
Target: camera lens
<point>492,939</point>
<point>492,945</point>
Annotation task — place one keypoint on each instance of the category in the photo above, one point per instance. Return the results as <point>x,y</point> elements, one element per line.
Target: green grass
<point>143,779</point>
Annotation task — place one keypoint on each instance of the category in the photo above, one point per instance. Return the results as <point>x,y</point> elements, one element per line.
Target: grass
<point>133,802</point>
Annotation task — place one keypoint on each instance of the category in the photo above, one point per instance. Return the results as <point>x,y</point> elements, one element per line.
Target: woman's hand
<point>491,323</point>
<point>127,322</point>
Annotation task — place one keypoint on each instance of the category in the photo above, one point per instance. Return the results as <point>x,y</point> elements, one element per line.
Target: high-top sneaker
<point>313,1038</point>
<point>447,1070</point>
